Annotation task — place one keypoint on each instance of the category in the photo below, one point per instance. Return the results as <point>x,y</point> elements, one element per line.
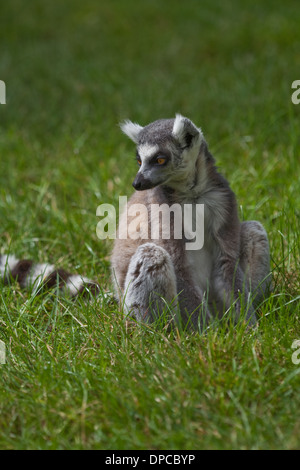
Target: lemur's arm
<point>229,279</point>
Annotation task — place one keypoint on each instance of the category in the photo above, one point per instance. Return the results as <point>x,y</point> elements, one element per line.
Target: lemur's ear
<point>131,129</point>
<point>185,131</point>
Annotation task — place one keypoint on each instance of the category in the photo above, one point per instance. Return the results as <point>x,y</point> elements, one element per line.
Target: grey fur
<point>232,268</point>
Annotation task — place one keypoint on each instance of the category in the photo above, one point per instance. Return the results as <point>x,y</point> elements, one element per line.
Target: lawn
<point>79,375</point>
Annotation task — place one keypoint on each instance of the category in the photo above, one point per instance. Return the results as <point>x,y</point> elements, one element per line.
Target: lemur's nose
<point>137,185</point>
<point>141,183</point>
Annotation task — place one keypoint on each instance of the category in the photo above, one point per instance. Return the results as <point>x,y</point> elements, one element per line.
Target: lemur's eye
<point>139,162</point>
<point>161,160</point>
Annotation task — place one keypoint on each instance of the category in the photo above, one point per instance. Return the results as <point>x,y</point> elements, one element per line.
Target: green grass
<point>81,376</point>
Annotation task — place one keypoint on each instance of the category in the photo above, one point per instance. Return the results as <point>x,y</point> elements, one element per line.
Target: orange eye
<point>160,160</point>
<point>139,162</point>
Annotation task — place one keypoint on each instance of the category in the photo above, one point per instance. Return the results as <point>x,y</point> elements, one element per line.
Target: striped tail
<point>45,276</point>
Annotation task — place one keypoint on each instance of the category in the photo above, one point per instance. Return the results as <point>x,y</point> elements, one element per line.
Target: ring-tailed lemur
<point>44,276</point>
<point>233,267</point>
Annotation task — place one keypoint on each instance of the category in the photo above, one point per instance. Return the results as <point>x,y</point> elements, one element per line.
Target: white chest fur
<point>200,262</point>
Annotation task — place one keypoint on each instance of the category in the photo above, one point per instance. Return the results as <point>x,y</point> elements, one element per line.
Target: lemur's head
<point>167,151</point>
